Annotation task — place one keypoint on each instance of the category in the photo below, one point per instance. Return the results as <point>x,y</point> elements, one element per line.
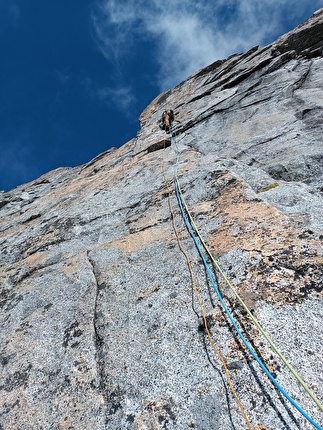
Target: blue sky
<point>76,74</point>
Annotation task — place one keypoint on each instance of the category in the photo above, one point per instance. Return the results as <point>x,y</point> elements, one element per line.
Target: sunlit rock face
<point>100,326</point>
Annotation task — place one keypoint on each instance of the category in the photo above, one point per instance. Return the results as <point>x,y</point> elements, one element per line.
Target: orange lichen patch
<point>249,297</point>
<point>248,225</point>
<point>147,221</point>
<point>72,265</point>
<point>188,160</point>
<point>27,266</point>
<point>204,207</point>
<point>34,260</point>
<point>136,241</point>
<point>287,266</point>
<point>14,229</point>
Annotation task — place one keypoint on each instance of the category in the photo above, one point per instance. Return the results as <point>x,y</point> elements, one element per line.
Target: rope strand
<point>191,225</point>
<point>195,289</point>
<point>243,304</point>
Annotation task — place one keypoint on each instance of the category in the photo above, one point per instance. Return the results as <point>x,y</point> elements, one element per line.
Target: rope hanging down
<point>196,292</point>
<point>243,304</point>
<point>191,228</point>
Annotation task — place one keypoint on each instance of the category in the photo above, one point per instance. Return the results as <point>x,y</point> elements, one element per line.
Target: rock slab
<point>100,327</point>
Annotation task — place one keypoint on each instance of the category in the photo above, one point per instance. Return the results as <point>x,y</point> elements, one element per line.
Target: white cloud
<point>189,35</point>
<point>116,96</point>
<point>122,97</point>
<point>112,24</point>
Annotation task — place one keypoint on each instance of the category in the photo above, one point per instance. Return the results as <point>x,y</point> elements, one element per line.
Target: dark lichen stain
<point>209,321</point>
<point>235,365</point>
<point>16,380</point>
<point>114,401</point>
<point>75,344</point>
<point>9,300</point>
<point>165,412</point>
<point>4,359</point>
<point>24,327</point>
<point>70,333</point>
<point>32,218</point>
<point>7,408</point>
<point>130,418</point>
<point>46,307</point>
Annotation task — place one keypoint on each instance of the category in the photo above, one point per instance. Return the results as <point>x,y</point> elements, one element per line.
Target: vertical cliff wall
<point>101,327</point>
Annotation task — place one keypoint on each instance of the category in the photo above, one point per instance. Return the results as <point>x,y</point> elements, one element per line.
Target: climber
<point>167,120</point>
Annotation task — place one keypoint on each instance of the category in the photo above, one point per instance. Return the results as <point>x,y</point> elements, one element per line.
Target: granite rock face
<point>100,327</point>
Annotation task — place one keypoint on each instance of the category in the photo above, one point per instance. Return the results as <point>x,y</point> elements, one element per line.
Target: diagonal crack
<point>301,80</point>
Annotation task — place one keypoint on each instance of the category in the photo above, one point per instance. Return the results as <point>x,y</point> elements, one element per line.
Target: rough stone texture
<point>100,328</point>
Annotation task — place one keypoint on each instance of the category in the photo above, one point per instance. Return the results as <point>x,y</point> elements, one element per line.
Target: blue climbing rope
<point>208,271</point>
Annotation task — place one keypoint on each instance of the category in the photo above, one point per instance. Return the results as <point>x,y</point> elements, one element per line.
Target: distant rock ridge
<point>100,327</point>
